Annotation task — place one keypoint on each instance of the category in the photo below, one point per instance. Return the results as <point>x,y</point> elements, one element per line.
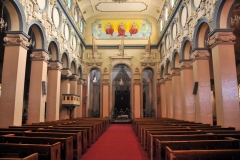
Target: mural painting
<point>115,29</point>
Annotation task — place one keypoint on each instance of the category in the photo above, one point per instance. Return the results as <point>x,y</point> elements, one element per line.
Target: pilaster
<point>169,100</point>
<point>11,102</point>
<point>37,97</point>
<point>225,77</point>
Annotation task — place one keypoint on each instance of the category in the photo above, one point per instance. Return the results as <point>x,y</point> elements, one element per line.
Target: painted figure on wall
<point>109,29</point>
<point>133,29</point>
<point>121,30</point>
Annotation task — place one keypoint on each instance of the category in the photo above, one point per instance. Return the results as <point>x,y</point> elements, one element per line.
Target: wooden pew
<point>45,152</point>
<point>89,131</point>
<point>151,136</point>
<point>33,156</point>
<point>77,140</point>
<point>66,143</point>
<point>194,144</point>
<point>178,138</point>
<point>83,133</point>
<point>223,154</point>
<point>152,130</point>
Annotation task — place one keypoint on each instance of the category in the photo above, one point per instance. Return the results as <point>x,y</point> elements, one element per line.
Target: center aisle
<point>119,142</point>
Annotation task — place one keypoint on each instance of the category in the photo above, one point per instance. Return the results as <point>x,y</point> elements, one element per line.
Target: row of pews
<point>57,140</point>
<point>171,139</point>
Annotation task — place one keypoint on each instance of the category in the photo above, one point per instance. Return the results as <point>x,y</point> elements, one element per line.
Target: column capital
<point>200,54</point>
<point>14,38</point>
<point>137,82</point>
<point>39,55</point>
<point>73,77</point>
<point>66,72</point>
<point>80,81</point>
<point>168,77</point>
<point>218,36</point>
<point>105,82</point>
<point>162,81</point>
<point>175,72</point>
<point>54,65</point>
<point>186,65</point>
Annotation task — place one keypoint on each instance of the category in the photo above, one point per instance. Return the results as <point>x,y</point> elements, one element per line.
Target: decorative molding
<point>200,55</point>
<point>136,82</point>
<point>105,82</point>
<point>186,65</point>
<point>162,81</point>
<point>168,77</point>
<point>220,37</point>
<point>73,77</point>
<point>17,39</point>
<point>175,72</point>
<point>55,66</point>
<point>66,72</point>
<point>39,56</point>
<point>80,82</point>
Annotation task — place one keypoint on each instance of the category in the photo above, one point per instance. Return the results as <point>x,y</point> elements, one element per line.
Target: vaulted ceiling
<point>137,8</point>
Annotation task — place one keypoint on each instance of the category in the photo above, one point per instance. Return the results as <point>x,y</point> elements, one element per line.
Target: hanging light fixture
<point>121,82</point>
<point>3,24</point>
<point>94,79</point>
<point>119,1</point>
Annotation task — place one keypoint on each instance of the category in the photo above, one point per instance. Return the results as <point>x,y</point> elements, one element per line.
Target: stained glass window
<point>69,3</point>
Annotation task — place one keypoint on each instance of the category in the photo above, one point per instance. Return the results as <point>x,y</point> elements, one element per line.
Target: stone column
<point>187,91</point>
<point>203,103</point>
<point>176,94</point>
<point>13,74</point>
<point>158,99</point>
<point>84,99</point>
<point>65,89</point>
<point>79,92</point>
<point>163,99</point>
<point>53,91</point>
<point>137,98</point>
<point>106,97</point>
<point>169,100</point>
<point>225,77</point>
<point>37,98</point>
<point>73,90</point>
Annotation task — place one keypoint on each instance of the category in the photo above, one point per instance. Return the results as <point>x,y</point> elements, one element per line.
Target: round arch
<point>175,58</point>
<point>162,72</point>
<point>38,32</point>
<point>168,66</point>
<point>65,60</point>
<point>185,49</point>
<point>74,66</point>
<point>53,44</point>
<point>17,19</point>
<point>221,16</point>
<point>201,33</point>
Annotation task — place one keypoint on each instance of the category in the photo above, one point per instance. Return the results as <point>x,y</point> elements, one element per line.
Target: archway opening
<point>148,93</point>
<point>94,90</point>
<point>121,92</point>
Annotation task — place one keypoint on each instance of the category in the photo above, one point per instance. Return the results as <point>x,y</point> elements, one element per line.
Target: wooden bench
<point>148,131</point>
<point>77,140</point>
<point>83,133</point>
<point>194,144</point>
<point>178,138</point>
<point>223,154</point>
<point>151,136</point>
<point>89,131</point>
<point>33,156</point>
<point>66,143</point>
<point>45,152</point>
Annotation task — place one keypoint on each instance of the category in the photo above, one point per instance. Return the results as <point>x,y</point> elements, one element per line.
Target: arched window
<point>76,14</point>
<point>81,25</point>
<point>172,3</point>
<point>160,24</point>
<point>166,13</point>
<point>69,3</point>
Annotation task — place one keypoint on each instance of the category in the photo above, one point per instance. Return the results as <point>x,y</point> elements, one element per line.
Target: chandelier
<point>3,24</point>
<point>119,1</point>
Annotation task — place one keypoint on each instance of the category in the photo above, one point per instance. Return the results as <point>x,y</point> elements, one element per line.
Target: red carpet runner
<point>119,142</point>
